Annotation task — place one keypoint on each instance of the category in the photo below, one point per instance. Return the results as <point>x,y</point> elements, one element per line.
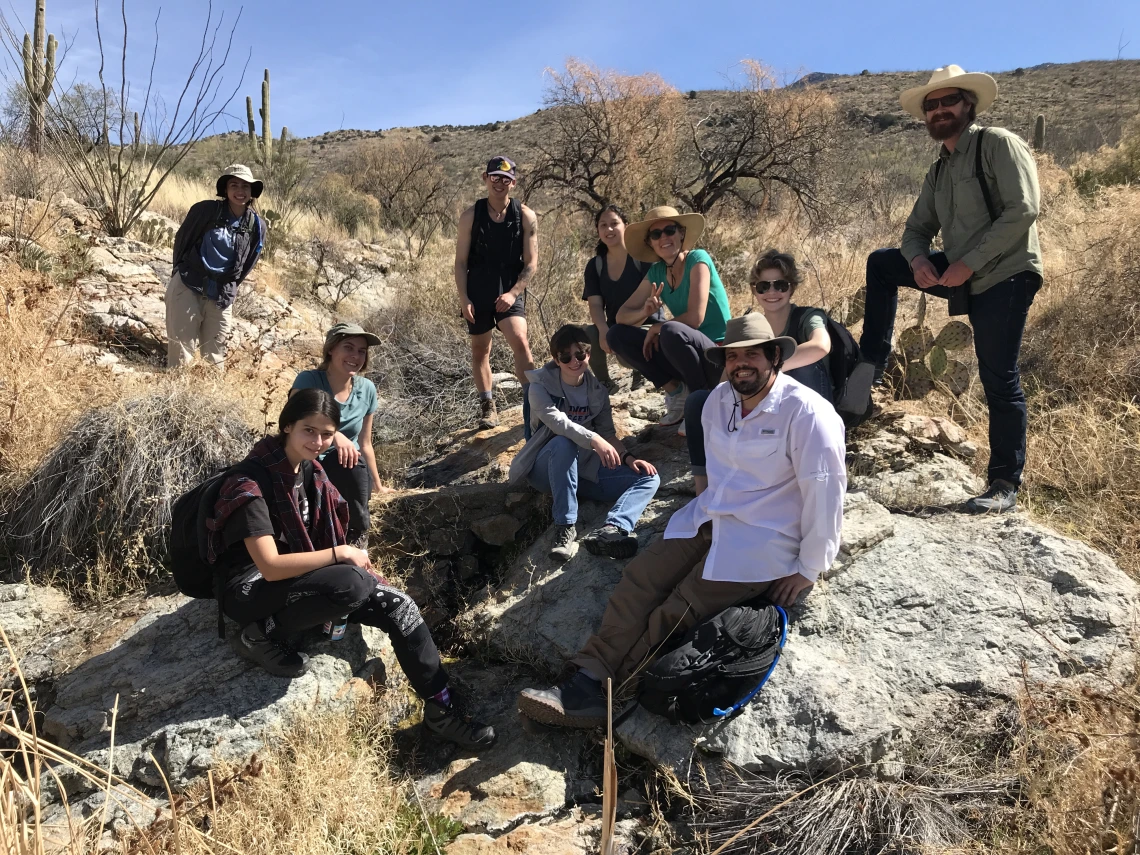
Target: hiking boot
<point>274,656</point>
<point>674,407</point>
<point>488,414</point>
<point>565,543</point>
<point>452,724</point>
<point>999,498</point>
<point>638,381</point>
<point>611,541</point>
<point>577,701</point>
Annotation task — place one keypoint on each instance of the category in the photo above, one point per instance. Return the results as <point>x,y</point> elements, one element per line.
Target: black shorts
<point>486,318</point>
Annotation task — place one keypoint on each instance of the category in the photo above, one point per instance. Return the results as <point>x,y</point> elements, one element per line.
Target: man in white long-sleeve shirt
<point>768,523</point>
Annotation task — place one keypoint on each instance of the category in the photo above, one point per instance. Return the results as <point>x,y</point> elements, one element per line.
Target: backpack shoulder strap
<point>598,262</point>
<point>980,172</point>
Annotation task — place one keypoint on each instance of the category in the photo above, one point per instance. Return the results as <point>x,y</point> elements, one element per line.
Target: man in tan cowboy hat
<point>982,195</point>
<point>768,523</point>
<point>215,248</point>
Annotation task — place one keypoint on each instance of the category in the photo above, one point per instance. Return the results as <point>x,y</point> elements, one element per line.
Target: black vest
<point>496,256</point>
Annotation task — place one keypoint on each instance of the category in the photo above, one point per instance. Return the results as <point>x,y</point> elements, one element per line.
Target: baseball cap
<point>500,165</point>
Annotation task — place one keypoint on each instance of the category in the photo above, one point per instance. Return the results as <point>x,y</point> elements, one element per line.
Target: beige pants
<point>661,595</point>
<point>190,319</point>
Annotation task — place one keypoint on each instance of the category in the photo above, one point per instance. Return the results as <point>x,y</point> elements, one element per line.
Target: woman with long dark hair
<point>289,568</point>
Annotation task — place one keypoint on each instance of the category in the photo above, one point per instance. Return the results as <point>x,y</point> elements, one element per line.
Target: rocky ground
<point>926,612</point>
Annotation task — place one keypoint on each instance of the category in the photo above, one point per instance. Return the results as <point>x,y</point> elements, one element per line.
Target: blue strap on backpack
<point>718,712</point>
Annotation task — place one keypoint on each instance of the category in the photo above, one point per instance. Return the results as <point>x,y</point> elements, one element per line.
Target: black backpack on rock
<point>194,575</point>
<point>851,374</point>
<point>718,667</point>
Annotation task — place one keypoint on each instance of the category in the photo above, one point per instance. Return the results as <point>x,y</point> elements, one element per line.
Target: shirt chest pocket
<point>759,447</point>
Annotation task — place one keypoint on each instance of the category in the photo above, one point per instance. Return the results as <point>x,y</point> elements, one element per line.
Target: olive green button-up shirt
<point>951,201</point>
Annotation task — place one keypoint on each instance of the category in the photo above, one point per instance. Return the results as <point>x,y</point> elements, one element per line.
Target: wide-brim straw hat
<point>239,170</point>
<point>749,331</point>
<point>951,77</point>
<point>635,233</point>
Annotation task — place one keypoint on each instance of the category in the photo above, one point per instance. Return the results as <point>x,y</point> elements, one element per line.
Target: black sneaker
<point>452,724</point>
<point>565,543</point>
<point>274,656</point>
<point>611,541</point>
<point>999,498</point>
<point>576,702</point>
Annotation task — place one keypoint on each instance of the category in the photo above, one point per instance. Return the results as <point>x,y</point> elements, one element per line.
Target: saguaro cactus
<point>39,75</point>
<point>262,148</point>
<point>1039,133</point>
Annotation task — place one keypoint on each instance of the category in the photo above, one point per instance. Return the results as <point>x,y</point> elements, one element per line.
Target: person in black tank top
<point>495,256</point>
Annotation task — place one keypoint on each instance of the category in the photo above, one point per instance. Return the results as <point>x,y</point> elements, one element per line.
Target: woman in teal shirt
<point>683,278</point>
<point>351,462</point>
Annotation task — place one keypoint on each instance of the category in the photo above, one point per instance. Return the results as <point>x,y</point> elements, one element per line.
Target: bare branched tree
<point>407,180</point>
<point>763,136</point>
<point>614,138</point>
<point>141,137</point>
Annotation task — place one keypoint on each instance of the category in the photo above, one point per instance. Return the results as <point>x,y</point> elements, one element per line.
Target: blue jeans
<point>555,471</point>
<point>814,376</point>
<point>998,318</point>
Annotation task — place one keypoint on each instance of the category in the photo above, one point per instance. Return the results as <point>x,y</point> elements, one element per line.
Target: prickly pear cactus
<point>936,361</point>
<point>926,363</point>
<point>956,377</point>
<point>854,306</point>
<point>155,233</point>
<point>954,336</point>
<point>917,383</point>
<point>921,310</point>
<point>916,342</point>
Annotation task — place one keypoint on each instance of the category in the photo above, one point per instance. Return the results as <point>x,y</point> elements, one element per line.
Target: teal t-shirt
<point>361,401</point>
<point>677,299</point>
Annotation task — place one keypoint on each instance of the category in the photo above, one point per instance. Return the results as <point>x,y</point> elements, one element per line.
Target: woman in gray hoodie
<point>574,451</point>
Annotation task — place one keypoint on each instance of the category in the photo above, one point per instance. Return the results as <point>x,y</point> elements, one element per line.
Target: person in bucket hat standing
<point>215,248</point>
<point>982,195</point>
<point>768,523</point>
<point>496,254</point>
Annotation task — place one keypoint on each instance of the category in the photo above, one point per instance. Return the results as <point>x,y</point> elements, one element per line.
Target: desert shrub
<point>1119,164</point>
<point>333,198</point>
<point>97,507</point>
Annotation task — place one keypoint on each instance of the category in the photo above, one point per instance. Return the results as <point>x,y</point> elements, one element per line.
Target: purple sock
<point>443,696</point>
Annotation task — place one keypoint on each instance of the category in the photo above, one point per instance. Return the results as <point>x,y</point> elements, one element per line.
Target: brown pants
<point>661,595</point>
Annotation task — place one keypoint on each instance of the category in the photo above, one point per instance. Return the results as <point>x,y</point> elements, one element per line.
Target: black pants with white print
<point>303,602</point>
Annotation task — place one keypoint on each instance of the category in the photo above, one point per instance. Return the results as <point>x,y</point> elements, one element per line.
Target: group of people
<point>752,395</point>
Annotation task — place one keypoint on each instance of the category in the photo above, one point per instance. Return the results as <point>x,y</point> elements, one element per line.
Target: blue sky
<point>360,64</point>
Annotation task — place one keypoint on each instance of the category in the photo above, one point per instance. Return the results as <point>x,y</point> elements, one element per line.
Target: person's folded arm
<point>632,312</point>
<point>811,351</point>
<point>542,405</point>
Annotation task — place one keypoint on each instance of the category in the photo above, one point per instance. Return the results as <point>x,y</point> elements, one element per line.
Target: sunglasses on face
<point>500,179</point>
<point>668,231</point>
<point>567,358</point>
<point>762,287</point>
<point>932,104</point>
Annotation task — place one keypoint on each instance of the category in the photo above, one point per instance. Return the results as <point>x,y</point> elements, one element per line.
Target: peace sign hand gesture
<point>653,302</point>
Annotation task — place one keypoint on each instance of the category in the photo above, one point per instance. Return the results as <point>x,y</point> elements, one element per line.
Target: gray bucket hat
<point>348,331</point>
<point>749,331</point>
<point>239,170</point>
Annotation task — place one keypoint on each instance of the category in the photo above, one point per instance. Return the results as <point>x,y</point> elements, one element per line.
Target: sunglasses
<point>668,231</point>
<point>500,179</point>
<point>580,355</point>
<point>932,104</point>
<point>762,287</point>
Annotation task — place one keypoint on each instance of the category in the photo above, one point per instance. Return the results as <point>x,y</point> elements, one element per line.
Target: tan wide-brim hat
<point>951,77</point>
<point>239,170</point>
<point>748,331</point>
<point>635,245</point>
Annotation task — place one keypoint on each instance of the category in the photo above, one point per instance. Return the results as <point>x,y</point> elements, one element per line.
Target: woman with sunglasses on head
<point>574,451</point>
<point>684,279</point>
<point>773,280</point>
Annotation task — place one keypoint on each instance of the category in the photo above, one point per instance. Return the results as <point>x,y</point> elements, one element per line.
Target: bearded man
<point>768,524</point>
<point>982,195</point>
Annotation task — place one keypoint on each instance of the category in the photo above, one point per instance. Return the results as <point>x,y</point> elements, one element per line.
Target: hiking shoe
<point>565,543</point>
<point>274,656</point>
<point>611,541</point>
<point>488,415</point>
<point>674,407</point>
<point>638,381</point>
<point>681,429</point>
<point>576,702</point>
<point>999,498</point>
<point>452,724</point>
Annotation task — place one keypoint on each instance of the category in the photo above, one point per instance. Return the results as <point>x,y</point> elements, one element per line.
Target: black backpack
<point>194,575</point>
<point>719,666</point>
<point>851,374</point>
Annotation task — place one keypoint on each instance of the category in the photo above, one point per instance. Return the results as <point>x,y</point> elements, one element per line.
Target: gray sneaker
<point>576,702</point>
<point>999,498</point>
<point>674,407</point>
<point>452,724</point>
<point>565,543</point>
<point>274,656</point>
<point>611,541</point>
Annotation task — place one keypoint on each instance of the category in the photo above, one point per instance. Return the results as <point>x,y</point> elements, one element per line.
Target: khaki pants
<point>661,595</point>
<point>190,319</point>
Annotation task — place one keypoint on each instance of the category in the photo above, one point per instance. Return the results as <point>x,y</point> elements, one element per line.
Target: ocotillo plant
<point>1039,133</point>
<point>926,361</point>
<point>262,148</point>
<point>39,75</point>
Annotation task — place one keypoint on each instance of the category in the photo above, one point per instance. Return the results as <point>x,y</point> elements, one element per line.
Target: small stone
<point>497,530</point>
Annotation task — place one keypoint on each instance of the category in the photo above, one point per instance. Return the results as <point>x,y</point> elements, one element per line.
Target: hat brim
<point>716,355</point>
<point>371,338</point>
<point>635,245</point>
<point>982,85</point>
<point>255,187</point>
<point>500,172</point>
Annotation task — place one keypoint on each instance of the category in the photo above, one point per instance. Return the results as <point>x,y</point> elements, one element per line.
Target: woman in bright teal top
<point>683,278</point>
<point>351,462</point>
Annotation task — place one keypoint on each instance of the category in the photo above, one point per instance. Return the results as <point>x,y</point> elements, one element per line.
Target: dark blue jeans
<point>680,354</point>
<point>998,318</point>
